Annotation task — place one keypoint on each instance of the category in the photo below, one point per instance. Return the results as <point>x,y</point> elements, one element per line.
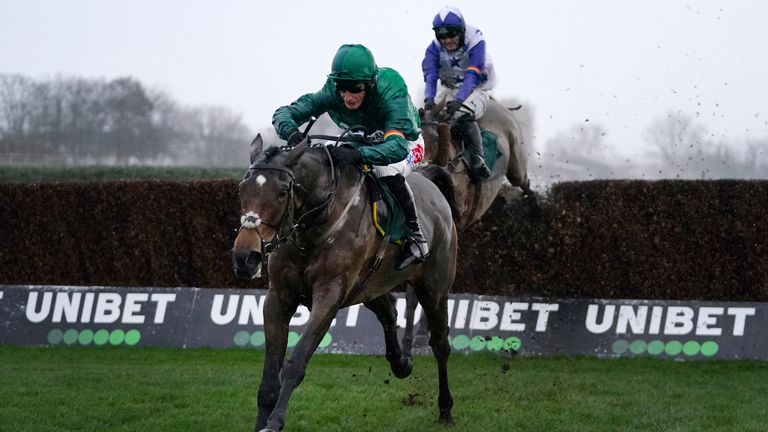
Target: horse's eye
<point>283,192</point>
<point>247,175</point>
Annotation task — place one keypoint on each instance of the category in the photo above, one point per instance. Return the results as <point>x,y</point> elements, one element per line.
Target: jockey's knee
<point>393,180</point>
<point>462,116</point>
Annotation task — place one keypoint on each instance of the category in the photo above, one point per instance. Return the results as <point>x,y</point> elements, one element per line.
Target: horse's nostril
<point>254,258</point>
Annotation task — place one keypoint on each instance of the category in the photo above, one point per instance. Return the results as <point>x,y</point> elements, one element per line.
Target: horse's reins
<point>378,258</point>
<point>268,247</point>
<point>334,181</point>
<point>280,238</point>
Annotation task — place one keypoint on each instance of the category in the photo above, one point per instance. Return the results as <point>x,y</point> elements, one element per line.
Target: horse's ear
<point>257,145</point>
<point>295,153</point>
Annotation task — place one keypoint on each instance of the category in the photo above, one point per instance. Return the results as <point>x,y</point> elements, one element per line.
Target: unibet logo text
<point>98,308</point>
<point>462,314</point>
<point>668,320</point>
<point>490,315</point>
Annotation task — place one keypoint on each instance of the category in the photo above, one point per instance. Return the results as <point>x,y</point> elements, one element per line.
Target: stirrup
<point>408,257</point>
<point>480,171</point>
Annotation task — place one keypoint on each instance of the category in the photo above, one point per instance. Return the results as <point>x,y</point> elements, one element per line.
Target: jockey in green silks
<point>358,93</point>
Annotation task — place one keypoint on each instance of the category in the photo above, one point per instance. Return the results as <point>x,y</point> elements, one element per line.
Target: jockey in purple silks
<point>457,56</point>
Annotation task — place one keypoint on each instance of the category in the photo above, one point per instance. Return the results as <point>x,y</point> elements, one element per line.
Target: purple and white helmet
<point>448,16</point>
<point>449,22</point>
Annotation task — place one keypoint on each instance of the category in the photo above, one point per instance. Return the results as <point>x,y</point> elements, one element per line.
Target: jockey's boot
<point>415,249</point>
<point>467,127</point>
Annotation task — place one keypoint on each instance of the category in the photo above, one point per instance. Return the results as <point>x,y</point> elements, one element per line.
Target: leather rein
<point>287,228</point>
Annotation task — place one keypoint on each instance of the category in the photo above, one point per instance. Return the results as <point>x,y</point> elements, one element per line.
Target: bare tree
<point>15,109</point>
<point>117,121</point>
<point>683,151</point>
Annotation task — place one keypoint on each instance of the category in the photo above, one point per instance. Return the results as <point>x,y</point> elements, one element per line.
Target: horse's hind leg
<point>384,308</point>
<point>410,314</point>
<point>436,309</point>
<point>518,176</point>
<point>412,336</point>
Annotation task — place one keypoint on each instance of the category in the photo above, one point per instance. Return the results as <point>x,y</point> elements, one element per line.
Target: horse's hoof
<point>445,419</point>
<point>531,205</point>
<point>402,368</point>
<point>267,430</point>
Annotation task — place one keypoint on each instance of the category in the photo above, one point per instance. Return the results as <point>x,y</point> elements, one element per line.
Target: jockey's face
<point>352,101</point>
<point>451,44</point>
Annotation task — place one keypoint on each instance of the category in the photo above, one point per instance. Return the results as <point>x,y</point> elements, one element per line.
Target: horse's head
<point>267,194</point>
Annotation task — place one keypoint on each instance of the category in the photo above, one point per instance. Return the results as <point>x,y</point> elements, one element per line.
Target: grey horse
<point>315,221</point>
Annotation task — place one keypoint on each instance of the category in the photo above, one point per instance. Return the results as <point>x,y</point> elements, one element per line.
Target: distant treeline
<point>680,148</point>
<point>119,121</point>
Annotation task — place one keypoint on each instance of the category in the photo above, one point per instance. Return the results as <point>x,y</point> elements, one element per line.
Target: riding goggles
<point>350,86</point>
<point>446,32</point>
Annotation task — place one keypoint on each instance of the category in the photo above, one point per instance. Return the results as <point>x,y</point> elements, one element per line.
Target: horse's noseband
<point>252,220</point>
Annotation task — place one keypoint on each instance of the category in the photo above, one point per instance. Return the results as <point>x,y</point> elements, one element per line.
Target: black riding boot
<point>415,249</point>
<point>467,127</point>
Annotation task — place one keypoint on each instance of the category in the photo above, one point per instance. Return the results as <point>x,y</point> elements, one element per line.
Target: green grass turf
<point>151,389</point>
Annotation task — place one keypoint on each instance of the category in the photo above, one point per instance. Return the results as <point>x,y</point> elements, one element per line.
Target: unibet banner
<point>221,318</point>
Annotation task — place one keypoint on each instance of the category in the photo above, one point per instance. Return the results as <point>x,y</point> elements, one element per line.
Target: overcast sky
<point>618,64</point>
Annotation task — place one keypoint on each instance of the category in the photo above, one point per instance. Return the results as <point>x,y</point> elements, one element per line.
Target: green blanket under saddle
<point>387,215</point>
<point>490,148</point>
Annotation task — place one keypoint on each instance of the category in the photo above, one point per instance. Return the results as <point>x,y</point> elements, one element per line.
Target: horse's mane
<point>270,154</point>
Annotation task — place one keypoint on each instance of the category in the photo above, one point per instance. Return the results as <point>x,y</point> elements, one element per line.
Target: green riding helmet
<point>353,62</point>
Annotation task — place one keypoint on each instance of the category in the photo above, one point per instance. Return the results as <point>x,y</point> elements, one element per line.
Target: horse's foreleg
<point>295,367</point>
<point>277,315</point>
<point>384,308</point>
<point>437,313</point>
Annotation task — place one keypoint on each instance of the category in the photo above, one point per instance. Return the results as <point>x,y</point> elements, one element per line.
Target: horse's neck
<point>446,150</point>
<point>346,192</point>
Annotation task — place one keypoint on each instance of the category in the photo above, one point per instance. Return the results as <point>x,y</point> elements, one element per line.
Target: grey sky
<point>618,64</point>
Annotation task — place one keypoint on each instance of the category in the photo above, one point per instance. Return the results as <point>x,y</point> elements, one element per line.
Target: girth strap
<point>360,286</point>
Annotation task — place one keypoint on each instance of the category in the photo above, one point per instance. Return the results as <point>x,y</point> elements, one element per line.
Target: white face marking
<point>260,180</point>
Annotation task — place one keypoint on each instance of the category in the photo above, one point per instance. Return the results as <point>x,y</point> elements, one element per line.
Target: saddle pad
<point>491,150</point>
<point>387,216</point>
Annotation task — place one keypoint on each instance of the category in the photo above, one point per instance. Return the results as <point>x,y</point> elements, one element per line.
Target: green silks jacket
<point>387,108</point>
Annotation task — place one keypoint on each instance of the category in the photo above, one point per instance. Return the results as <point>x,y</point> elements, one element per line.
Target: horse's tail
<point>440,177</point>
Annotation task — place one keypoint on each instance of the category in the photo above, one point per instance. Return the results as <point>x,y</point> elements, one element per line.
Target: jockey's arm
<point>393,149</point>
<point>396,117</point>
<point>288,118</point>
<point>473,72</point>
<point>431,68</point>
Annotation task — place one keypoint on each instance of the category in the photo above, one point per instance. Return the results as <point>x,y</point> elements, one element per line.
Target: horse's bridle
<point>251,220</point>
